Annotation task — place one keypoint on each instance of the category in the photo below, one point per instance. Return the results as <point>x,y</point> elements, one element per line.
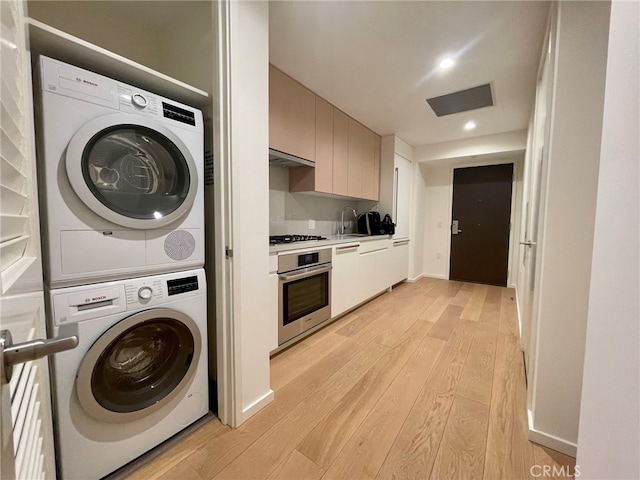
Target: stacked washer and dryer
<point>121,189</point>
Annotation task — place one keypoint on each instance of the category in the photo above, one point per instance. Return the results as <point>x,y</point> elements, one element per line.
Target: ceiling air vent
<point>462,101</point>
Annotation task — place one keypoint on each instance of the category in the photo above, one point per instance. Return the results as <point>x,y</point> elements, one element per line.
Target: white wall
<point>488,144</point>
<point>609,438</point>
<point>435,210</point>
<point>184,50</point>
<point>564,264</point>
<point>436,206</point>
<point>95,22</point>
<point>249,137</point>
<point>416,257</point>
<point>289,213</point>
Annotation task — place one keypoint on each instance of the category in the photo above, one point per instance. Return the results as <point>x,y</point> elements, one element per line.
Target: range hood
<point>288,161</point>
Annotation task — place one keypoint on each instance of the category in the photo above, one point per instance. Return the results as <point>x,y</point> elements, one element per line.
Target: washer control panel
<point>139,100</point>
<point>182,285</point>
<point>146,291</point>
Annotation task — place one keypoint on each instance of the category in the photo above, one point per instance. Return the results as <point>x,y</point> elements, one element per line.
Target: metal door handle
<point>307,272</point>
<point>528,243</point>
<point>454,228</point>
<point>14,354</point>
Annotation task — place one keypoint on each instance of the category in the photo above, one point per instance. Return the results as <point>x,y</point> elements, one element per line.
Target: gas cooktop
<point>277,239</point>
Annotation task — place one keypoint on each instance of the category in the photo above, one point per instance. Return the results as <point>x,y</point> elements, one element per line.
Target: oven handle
<point>307,272</point>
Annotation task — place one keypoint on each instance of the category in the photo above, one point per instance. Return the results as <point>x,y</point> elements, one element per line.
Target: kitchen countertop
<point>320,244</point>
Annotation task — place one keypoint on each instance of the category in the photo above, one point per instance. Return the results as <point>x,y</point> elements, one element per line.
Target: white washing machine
<point>139,373</point>
<point>120,178</point>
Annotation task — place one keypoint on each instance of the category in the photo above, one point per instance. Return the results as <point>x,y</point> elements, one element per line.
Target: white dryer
<point>138,375</point>
<point>120,176</point>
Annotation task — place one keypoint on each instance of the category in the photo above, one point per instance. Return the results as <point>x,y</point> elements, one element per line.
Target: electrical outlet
<point>438,255</point>
<point>312,224</point>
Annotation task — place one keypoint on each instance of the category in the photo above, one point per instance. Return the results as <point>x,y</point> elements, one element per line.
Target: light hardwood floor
<point>422,382</point>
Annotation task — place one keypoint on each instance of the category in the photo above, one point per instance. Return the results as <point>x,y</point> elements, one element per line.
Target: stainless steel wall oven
<point>304,292</point>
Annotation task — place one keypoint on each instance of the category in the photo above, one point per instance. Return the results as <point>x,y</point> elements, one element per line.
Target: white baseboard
<point>256,406</point>
<point>415,279</point>
<point>547,440</point>
<point>435,275</point>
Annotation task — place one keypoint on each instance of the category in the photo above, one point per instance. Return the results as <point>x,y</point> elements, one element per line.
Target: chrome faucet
<point>355,214</point>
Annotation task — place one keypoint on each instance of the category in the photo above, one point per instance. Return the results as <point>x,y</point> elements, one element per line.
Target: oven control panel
<point>295,261</point>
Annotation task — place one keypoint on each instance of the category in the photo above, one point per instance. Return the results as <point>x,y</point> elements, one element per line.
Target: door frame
<point>516,161</point>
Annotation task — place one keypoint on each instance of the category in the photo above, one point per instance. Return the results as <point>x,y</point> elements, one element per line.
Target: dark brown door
<point>480,224</point>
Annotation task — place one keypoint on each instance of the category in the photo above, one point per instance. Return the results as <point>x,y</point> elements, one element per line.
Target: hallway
<point>425,381</point>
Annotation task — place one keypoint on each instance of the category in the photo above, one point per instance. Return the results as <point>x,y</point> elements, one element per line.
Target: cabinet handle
<point>346,249</point>
<point>375,251</point>
<point>398,243</point>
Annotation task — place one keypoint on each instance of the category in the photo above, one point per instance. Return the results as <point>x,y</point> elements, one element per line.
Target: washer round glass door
<point>131,171</point>
<point>139,365</point>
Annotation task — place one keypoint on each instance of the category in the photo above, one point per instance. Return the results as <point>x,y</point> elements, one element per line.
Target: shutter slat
<point>11,103</point>
<point>25,452</point>
<point>10,150</point>
<point>11,176</point>
<point>30,460</point>
<point>40,474</point>
<point>12,201</point>
<point>9,57</point>
<point>13,226</point>
<point>27,402</point>
<point>34,461</point>
<point>9,122</point>
<point>12,251</point>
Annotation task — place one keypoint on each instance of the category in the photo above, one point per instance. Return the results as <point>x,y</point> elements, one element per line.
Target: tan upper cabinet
<point>292,116</point>
<point>346,153</point>
<point>324,146</point>
<point>377,154</point>
<point>364,162</point>
<point>340,152</point>
<point>320,177</point>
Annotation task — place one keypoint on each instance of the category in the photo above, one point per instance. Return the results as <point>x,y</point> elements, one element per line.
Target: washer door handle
<point>14,354</point>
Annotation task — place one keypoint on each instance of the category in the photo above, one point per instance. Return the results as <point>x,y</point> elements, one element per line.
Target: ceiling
<point>378,61</point>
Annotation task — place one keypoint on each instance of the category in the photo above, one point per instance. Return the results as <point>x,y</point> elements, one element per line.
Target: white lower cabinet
<point>359,273</point>
<point>399,270</point>
<point>374,265</point>
<point>345,283</point>
<point>273,304</point>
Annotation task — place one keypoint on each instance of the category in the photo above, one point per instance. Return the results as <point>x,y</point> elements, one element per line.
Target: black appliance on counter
<point>369,223</point>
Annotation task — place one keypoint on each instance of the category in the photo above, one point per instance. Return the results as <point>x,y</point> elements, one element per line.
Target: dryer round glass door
<point>139,365</point>
<point>131,171</point>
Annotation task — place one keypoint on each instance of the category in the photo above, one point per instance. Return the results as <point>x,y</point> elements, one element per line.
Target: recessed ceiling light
<point>447,63</point>
<point>469,125</point>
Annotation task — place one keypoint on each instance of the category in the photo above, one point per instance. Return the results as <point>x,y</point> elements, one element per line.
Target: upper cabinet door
<point>340,152</point>
<point>377,153</point>
<point>292,116</point>
<point>360,172</point>
<point>324,146</point>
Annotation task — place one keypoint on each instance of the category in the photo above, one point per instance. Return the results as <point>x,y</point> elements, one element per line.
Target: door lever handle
<point>528,243</point>
<point>14,354</point>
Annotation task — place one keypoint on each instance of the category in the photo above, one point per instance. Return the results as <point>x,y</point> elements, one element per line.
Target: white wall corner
<point>546,440</point>
<point>253,408</point>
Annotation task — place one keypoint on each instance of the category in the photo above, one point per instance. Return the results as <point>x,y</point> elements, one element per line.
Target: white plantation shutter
<point>19,243</point>
<point>27,429</point>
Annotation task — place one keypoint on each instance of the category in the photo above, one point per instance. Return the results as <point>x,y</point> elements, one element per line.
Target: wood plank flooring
<point>422,382</point>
